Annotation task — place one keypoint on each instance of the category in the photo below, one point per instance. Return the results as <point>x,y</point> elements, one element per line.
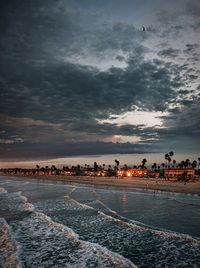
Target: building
<point>179,172</point>
<point>132,172</point>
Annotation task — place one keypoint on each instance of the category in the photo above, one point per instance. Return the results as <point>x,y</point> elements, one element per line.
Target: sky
<point>94,77</point>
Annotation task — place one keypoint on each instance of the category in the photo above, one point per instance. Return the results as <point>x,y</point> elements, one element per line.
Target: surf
<point>95,223</point>
<point>37,240</point>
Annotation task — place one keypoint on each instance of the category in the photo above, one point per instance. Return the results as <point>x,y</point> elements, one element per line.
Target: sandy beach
<point>143,183</point>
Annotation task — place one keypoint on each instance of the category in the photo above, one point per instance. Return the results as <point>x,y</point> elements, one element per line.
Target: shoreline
<point>126,182</point>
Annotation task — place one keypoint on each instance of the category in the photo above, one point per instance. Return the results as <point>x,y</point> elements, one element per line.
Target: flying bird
<point>143,29</point>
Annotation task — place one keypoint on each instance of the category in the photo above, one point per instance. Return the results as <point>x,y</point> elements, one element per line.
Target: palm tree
<point>38,167</point>
<point>182,164</point>
<point>169,160</point>
<point>95,166</point>
<point>154,166</point>
<point>117,163</point>
<point>47,169</point>
<point>198,162</point>
<point>194,164</point>
<point>188,162</point>
<point>166,158</point>
<point>125,166</point>
<point>143,162</point>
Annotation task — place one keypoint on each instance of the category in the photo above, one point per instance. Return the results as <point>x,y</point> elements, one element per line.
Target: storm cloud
<point>68,66</point>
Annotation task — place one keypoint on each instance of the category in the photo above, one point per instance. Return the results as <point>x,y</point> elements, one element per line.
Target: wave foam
<point>8,248</point>
<point>2,190</point>
<point>143,245</point>
<point>14,203</point>
<point>53,244</point>
<point>46,243</point>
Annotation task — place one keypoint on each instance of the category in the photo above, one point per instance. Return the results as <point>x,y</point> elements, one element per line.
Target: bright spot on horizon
<point>123,139</point>
<point>148,119</point>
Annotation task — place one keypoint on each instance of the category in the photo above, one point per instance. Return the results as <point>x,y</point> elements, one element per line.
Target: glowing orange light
<point>119,173</point>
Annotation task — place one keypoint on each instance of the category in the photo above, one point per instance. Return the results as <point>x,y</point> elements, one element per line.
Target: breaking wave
<point>38,241</point>
<point>63,232</point>
<point>8,247</point>
<point>144,246</point>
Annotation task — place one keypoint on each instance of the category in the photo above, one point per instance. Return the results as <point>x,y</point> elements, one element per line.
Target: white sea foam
<point>8,247</point>
<point>14,202</point>
<point>136,225</point>
<point>2,190</point>
<point>71,191</point>
<point>54,245</point>
<point>145,228</point>
<point>46,243</point>
<point>122,236</point>
<point>126,237</point>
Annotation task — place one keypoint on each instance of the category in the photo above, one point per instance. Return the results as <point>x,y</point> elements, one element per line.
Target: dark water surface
<point>92,226</point>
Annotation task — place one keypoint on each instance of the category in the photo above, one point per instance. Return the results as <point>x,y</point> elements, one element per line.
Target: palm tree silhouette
<point>198,162</point>
<point>174,162</point>
<point>95,166</point>
<point>38,167</point>
<point>166,158</point>
<point>154,166</point>
<point>143,162</point>
<point>117,163</point>
<point>194,164</point>
<point>125,166</point>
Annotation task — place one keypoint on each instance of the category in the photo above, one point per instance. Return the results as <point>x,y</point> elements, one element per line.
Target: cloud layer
<point>67,67</point>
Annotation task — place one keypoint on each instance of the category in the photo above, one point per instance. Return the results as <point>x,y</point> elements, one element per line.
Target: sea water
<point>55,224</point>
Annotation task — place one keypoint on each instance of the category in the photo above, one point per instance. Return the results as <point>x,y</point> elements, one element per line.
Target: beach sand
<point>131,182</point>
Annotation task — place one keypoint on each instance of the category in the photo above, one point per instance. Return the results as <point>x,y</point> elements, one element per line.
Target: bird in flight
<point>143,29</point>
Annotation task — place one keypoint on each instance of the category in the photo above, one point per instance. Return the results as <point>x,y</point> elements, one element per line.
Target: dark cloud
<point>184,122</point>
<point>58,91</point>
<point>193,7</point>
<point>29,151</point>
<point>170,52</point>
<point>190,48</point>
<point>59,77</point>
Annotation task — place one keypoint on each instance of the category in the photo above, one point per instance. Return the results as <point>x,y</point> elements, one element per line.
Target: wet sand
<point>143,183</point>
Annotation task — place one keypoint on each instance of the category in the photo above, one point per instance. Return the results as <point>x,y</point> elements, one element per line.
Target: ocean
<point>58,224</point>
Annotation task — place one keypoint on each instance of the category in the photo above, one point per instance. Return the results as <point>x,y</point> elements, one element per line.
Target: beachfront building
<point>132,172</point>
<point>179,172</point>
<point>153,174</point>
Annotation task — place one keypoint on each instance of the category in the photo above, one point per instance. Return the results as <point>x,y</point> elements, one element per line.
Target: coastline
<point>132,182</point>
